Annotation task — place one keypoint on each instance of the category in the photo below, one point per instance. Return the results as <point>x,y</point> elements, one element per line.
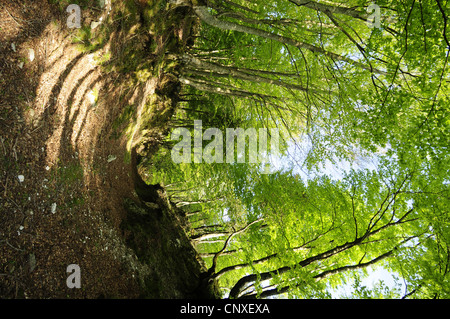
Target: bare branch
<point>212,269</point>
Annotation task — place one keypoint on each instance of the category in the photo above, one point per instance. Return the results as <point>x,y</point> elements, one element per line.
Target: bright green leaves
<point>379,290</point>
<point>352,92</point>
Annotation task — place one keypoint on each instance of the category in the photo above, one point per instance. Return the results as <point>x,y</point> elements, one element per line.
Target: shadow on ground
<point>67,116</point>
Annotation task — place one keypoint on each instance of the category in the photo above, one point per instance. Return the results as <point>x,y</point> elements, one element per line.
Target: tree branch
<point>361,15</point>
<point>212,269</point>
<point>241,283</point>
<point>205,16</point>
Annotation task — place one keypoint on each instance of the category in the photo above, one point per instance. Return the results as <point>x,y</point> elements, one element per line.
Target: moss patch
<point>157,236</point>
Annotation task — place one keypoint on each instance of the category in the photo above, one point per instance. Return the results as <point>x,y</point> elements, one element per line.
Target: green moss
<point>123,120</point>
<point>70,173</point>
<point>75,202</point>
<point>91,40</point>
<point>143,75</point>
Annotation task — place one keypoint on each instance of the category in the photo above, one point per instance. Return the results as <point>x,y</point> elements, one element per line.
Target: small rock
<point>47,168</point>
<point>91,58</point>
<point>92,98</point>
<point>31,262</point>
<point>94,24</point>
<point>31,55</point>
<point>13,47</point>
<point>111,158</point>
<point>21,178</point>
<point>53,209</point>
<point>21,65</point>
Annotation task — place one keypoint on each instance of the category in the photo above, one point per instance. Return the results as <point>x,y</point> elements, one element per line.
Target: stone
<point>53,208</point>
<point>31,55</point>
<point>94,24</point>
<point>31,262</point>
<point>111,158</point>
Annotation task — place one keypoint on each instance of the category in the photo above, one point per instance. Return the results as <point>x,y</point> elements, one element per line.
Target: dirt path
<point>70,103</point>
<point>56,115</point>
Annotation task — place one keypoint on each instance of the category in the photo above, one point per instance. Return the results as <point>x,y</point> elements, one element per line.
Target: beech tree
<point>319,72</point>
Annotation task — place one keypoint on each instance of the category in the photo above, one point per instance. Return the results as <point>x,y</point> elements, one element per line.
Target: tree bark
<point>280,290</point>
<point>240,74</point>
<point>198,238</point>
<point>222,89</point>
<point>228,252</point>
<point>225,270</point>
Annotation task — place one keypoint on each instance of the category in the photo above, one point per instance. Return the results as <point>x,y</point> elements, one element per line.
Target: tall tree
<point>318,71</point>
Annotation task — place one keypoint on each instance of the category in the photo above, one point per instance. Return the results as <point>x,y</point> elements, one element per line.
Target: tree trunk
<point>203,237</point>
<point>370,231</point>
<point>361,15</point>
<point>205,16</point>
<point>238,74</point>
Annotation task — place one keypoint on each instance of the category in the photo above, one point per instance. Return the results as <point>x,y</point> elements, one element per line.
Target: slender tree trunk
<point>225,270</point>
<point>281,290</point>
<point>212,269</point>
<point>218,88</point>
<point>205,16</point>
<point>198,238</point>
<point>244,281</point>
<point>361,15</point>
<point>225,253</point>
<point>239,74</point>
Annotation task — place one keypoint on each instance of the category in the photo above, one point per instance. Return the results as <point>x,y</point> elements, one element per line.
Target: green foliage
<point>63,4</point>
<point>379,291</point>
<point>352,93</point>
<point>69,174</point>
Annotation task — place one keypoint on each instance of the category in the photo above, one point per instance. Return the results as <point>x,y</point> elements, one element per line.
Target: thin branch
<point>203,13</point>
<point>212,269</point>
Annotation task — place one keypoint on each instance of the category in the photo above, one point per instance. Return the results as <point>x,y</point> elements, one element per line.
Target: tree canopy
<point>340,89</point>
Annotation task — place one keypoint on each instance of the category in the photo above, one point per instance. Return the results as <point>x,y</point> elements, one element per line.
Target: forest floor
<point>64,163</point>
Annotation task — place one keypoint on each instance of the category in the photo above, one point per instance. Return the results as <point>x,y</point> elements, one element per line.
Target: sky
<point>295,159</point>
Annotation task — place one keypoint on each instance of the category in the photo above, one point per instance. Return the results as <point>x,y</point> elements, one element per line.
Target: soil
<point>65,171</point>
